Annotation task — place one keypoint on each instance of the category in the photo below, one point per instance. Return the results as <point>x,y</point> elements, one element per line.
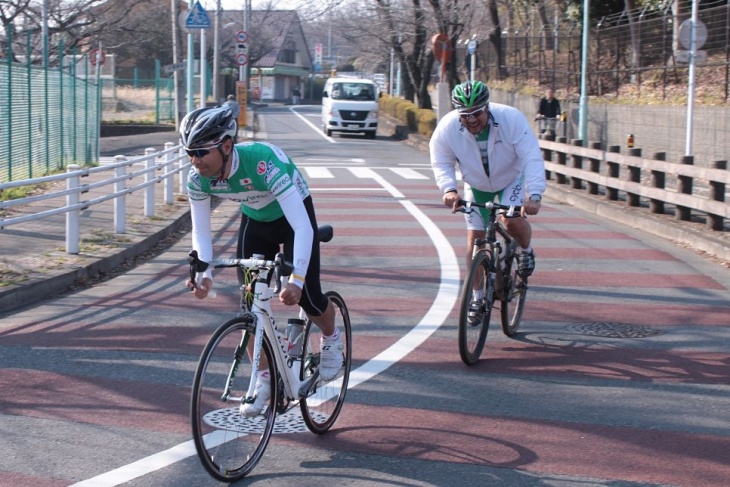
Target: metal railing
<point>158,167</point>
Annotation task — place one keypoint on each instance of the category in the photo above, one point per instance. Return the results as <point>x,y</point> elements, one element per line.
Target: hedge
<point>417,120</point>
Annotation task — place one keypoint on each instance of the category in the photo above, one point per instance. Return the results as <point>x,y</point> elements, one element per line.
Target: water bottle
<point>295,336</point>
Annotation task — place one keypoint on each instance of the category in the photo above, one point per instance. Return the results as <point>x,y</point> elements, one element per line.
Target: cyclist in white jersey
<point>498,156</point>
<point>276,209</point>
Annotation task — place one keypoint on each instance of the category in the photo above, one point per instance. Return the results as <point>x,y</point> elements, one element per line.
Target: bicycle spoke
<point>513,304</point>
<point>229,444</point>
<point>473,320</point>
<point>322,406</point>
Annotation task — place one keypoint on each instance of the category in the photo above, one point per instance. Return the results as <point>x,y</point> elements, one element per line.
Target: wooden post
<point>577,183</point>
<point>717,193</point>
<point>595,167</point>
<point>632,199</point>
<point>684,186</point>
<point>562,158</point>
<point>547,155</point>
<point>613,172</point>
<point>658,181</point>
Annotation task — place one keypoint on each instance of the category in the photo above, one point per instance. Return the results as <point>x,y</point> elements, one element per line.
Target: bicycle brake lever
<point>465,207</point>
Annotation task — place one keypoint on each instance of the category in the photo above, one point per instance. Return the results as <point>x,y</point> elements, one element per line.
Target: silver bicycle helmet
<point>207,127</point>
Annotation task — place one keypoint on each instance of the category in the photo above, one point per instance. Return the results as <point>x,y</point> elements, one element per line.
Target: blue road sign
<point>197,18</point>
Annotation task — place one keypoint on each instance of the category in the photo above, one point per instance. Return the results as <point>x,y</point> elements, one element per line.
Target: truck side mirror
<point>324,94</point>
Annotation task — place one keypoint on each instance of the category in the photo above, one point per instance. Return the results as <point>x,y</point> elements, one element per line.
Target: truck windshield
<point>353,91</point>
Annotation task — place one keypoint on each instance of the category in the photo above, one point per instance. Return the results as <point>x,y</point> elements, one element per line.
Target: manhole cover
<point>231,419</point>
<point>614,330</point>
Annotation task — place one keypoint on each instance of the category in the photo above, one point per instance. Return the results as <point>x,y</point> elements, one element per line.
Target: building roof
<point>272,29</point>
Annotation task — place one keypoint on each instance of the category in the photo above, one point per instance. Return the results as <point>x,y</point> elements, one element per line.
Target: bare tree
<point>78,23</point>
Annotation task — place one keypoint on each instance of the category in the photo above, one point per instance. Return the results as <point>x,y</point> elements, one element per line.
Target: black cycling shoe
<point>525,263</point>
<point>475,309</point>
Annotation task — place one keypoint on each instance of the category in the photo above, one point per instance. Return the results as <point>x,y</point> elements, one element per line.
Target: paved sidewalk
<point>34,264</point>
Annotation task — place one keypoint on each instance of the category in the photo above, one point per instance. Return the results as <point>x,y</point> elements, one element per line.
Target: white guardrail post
<point>167,167</point>
<point>182,160</point>
<point>120,202</point>
<point>72,217</point>
<point>149,176</point>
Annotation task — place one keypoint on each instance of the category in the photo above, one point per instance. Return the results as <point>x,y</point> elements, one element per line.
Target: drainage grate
<point>232,419</point>
<point>614,330</point>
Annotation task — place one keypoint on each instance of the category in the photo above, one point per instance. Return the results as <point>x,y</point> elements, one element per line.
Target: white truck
<point>350,105</point>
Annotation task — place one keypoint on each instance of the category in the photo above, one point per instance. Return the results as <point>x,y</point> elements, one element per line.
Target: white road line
<point>436,315</point>
<point>406,173</point>
<point>318,173</point>
<point>314,127</point>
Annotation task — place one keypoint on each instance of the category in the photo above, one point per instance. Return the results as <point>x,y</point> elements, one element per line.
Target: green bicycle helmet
<point>470,94</point>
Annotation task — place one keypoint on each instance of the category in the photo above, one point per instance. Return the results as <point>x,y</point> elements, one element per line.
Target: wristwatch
<point>535,197</point>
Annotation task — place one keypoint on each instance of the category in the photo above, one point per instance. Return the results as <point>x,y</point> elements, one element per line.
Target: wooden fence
<point>663,187</point>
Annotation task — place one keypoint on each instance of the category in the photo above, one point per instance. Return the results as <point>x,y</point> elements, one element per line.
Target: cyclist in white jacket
<point>498,156</point>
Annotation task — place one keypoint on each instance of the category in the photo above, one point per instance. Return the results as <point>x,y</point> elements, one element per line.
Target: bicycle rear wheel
<point>322,406</point>
<point>473,329</point>
<point>514,298</point>
<point>230,444</point>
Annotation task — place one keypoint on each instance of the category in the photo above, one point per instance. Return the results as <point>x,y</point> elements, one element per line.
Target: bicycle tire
<point>473,334</point>
<point>228,443</point>
<point>323,405</point>
<point>513,302</point>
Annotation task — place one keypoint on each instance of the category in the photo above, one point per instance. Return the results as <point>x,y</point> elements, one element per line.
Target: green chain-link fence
<point>49,117</point>
<point>51,109</point>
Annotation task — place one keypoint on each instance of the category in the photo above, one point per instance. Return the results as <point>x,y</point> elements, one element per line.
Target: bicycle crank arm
<point>306,388</point>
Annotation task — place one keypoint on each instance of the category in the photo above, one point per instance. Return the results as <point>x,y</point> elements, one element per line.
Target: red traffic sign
<point>97,55</point>
<point>241,59</point>
<point>241,36</point>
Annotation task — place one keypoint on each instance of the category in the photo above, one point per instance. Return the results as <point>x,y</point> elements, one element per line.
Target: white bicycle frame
<point>288,366</point>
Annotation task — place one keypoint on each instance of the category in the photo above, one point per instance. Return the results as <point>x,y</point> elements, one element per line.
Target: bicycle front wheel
<point>322,406</point>
<point>474,321</point>
<point>230,444</point>
<point>513,299</point>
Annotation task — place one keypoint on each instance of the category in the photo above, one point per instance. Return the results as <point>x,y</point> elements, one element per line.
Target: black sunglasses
<point>199,153</point>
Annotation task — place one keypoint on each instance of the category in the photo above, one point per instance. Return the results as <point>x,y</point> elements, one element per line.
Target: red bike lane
<point>619,372</point>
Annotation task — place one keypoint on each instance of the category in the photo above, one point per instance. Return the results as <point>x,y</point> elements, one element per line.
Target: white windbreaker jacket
<point>511,148</point>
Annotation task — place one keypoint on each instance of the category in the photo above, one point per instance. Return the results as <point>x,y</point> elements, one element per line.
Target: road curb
<point>683,233</point>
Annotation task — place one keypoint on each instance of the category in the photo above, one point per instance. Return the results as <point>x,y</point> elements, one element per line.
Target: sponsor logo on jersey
<point>271,172</point>
<point>280,185</point>
<point>219,184</point>
<point>261,168</point>
<point>516,193</point>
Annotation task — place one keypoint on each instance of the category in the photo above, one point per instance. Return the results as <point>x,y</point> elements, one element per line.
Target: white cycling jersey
<point>512,149</point>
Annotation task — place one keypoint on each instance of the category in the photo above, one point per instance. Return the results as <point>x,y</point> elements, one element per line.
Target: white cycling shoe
<point>330,358</point>
<point>262,395</point>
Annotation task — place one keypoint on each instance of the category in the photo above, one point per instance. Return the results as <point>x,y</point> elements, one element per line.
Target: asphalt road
<point>618,377</point>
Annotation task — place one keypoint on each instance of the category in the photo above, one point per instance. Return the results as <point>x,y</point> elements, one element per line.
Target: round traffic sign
<point>685,33</point>
<point>241,59</point>
<point>241,36</point>
<point>97,55</point>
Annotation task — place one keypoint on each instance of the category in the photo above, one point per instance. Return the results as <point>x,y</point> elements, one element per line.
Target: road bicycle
<point>494,274</point>
<point>548,125</point>
<point>229,443</point>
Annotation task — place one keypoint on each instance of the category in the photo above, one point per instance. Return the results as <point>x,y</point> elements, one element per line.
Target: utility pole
<point>216,48</point>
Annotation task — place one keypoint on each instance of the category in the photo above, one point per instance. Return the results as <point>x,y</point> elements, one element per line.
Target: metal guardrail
<point>640,181</point>
<point>159,167</point>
